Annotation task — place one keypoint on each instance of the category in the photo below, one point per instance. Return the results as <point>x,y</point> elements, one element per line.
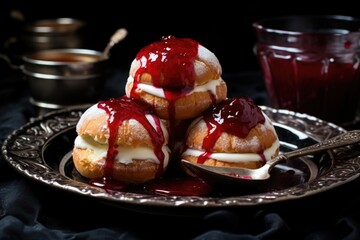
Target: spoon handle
<point>347,138</point>
<point>119,35</point>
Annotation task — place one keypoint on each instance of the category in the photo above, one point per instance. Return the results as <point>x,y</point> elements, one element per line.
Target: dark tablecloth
<point>30,210</point>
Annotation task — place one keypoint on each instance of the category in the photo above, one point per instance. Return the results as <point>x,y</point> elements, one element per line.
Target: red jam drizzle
<point>179,186</point>
<point>170,62</point>
<point>108,183</point>
<point>236,116</point>
<point>120,110</point>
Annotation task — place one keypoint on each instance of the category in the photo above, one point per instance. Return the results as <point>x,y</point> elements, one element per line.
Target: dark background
<point>223,27</point>
<point>30,211</point>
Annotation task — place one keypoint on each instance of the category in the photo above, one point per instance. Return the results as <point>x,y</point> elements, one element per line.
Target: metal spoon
<point>243,175</point>
<point>118,36</point>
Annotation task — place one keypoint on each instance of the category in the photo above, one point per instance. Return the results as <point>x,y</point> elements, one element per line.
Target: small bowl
<point>53,34</point>
<point>60,78</point>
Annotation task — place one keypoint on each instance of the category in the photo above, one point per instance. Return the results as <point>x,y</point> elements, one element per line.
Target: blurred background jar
<point>52,34</point>
<point>311,64</point>
<point>32,35</point>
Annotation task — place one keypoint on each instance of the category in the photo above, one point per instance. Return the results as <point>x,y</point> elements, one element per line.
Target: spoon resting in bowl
<point>118,36</point>
<point>245,175</point>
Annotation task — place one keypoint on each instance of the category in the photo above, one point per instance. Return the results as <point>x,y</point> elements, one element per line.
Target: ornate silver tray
<point>41,150</point>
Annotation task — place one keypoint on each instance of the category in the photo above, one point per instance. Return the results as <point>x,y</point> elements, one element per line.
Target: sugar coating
<point>210,58</point>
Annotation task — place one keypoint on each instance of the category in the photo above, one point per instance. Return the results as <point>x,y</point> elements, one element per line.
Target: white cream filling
<point>240,157</point>
<point>125,155</point>
<point>236,157</point>
<point>159,92</point>
<point>210,59</point>
<point>200,68</point>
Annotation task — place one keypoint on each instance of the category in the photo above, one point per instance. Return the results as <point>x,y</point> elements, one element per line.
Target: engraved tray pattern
<point>24,151</point>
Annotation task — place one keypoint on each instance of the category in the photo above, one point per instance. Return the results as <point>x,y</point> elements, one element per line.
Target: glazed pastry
<point>178,77</point>
<point>233,133</point>
<point>121,139</point>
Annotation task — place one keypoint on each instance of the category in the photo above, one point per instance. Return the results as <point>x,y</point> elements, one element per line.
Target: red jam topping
<point>123,109</point>
<point>170,62</point>
<point>236,116</point>
<point>182,186</point>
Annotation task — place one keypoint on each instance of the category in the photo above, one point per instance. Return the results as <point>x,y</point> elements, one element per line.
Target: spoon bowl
<point>226,175</point>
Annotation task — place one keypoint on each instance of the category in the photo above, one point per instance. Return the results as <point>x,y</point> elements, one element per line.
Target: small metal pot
<point>65,77</point>
<point>53,34</point>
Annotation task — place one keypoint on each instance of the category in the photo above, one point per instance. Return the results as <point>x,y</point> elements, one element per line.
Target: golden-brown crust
<point>130,133</point>
<point>258,139</point>
<point>199,102</point>
<point>208,72</point>
<point>93,126</point>
<point>217,163</point>
<point>137,172</point>
<point>206,69</point>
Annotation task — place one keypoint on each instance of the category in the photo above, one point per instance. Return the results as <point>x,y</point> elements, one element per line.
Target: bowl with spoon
<point>59,78</point>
